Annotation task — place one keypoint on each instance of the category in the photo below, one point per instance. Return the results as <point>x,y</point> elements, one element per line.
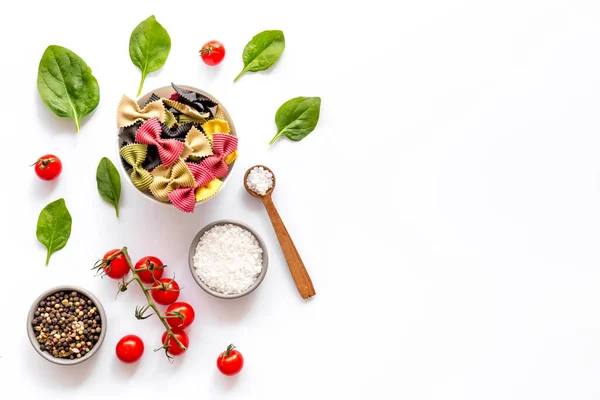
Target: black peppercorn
<point>65,329</point>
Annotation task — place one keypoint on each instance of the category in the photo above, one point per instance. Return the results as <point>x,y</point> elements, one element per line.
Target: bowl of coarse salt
<point>228,259</point>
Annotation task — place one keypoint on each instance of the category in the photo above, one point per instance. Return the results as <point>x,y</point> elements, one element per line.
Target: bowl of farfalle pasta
<point>177,145</point>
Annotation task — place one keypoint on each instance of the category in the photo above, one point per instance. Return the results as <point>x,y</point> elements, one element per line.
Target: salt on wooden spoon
<point>297,268</point>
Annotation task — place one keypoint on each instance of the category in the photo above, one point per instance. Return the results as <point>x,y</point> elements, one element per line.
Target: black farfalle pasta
<point>154,97</point>
<point>196,100</point>
<point>127,134</point>
<point>179,132</point>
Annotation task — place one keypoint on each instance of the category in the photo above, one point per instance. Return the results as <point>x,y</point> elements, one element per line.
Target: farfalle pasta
<point>169,150</point>
<point>206,192</point>
<point>197,145</point>
<point>223,145</point>
<point>176,148</point>
<point>134,155</point>
<point>167,179</point>
<point>184,198</point>
<point>129,112</point>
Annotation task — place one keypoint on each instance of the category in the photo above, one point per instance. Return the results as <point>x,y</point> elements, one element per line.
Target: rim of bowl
<point>204,286</point>
<point>31,334</point>
<point>228,118</point>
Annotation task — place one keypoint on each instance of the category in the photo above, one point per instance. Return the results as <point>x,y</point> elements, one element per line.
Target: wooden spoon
<point>299,273</point>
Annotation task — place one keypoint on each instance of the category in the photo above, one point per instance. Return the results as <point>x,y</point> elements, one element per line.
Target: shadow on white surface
<point>54,123</point>
<point>41,188</point>
<point>126,371</point>
<point>60,375</point>
<point>225,384</point>
<point>208,73</point>
<point>230,310</point>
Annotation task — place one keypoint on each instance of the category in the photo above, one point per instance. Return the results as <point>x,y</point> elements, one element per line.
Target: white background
<point>447,206</point>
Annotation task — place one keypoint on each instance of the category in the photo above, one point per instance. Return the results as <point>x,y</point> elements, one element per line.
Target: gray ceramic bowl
<point>31,332</point>
<point>203,285</point>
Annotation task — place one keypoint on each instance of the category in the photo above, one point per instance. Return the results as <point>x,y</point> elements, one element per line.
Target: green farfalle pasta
<point>170,119</point>
<point>134,155</point>
<point>168,179</point>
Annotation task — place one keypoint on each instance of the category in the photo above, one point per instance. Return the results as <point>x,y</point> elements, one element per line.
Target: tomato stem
<point>150,303</point>
<point>229,349</point>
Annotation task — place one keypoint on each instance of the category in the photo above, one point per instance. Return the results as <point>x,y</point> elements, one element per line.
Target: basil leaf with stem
<point>149,47</point>
<point>262,51</point>
<point>109,183</point>
<point>296,118</point>
<point>54,226</point>
<point>66,84</point>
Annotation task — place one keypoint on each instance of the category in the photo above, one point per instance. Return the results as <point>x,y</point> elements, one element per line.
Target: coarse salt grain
<point>260,180</point>
<point>228,259</point>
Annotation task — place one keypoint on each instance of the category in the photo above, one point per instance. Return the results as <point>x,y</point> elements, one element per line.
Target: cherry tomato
<point>116,268</point>
<point>173,348</point>
<point>186,311</point>
<point>165,291</point>
<point>230,362</point>
<point>154,267</point>
<point>130,349</point>
<point>48,167</point>
<point>212,53</point>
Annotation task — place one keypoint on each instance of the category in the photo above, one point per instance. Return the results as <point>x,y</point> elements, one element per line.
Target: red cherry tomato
<point>48,167</point>
<point>117,267</point>
<point>212,53</point>
<point>178,310</point>
<point>154,267</point>
<point>173,348</point>
<point>230,362</point>
<point>130,349</point>
<point>165,291</point>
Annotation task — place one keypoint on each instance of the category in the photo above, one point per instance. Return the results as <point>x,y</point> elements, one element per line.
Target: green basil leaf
<point>262,51</point>
<point>149,47</point>
<point>298,117</point>
<point>66,84</point>
<point>54,226</point>
<point>109,183</point>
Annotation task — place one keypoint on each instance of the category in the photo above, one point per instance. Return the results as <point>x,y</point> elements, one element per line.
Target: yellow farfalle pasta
<point>168,179</point>
<point>231,157</point>
<point>134,155</point>
<point>129,112</point>
<point>196,145</point>
<point>215,126</point>
<point>208,191</point>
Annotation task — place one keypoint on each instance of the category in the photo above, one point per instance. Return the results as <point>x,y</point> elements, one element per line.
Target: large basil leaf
<point>109,183</point>
<point>262,51</point>
<point>54,227</point>
<point>149,47</point>
<point>297,117</point>
<point>66,84</point>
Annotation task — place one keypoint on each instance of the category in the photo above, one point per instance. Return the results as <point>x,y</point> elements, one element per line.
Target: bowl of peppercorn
<point>66,325</point>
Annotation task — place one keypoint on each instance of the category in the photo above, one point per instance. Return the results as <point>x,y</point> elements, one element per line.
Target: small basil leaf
<point>109,183</point>
<point>66,84</point>
<point>149,47</point>
<point>54,227</point>
<point>262,51</point>
<point>298,117</point>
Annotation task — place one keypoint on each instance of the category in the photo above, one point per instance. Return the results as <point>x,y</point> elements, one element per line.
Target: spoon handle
<point>299,273</point>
